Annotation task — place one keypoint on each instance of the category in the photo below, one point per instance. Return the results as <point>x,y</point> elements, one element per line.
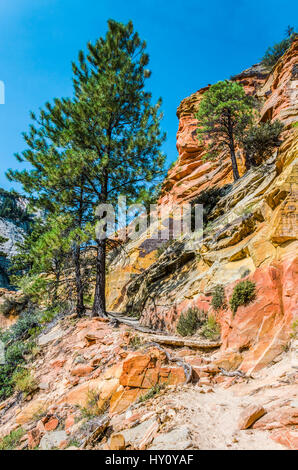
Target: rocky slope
<point>99,386</point>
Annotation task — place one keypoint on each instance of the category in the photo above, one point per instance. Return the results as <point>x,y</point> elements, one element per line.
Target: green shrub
<point>294,327</point>
<point>260,140</point>
<point>91,409</point>
<point>18,344</point>
<point>273,54</point>
<point>190,321</point>
<point>155,390</point>
<point>15,355</point>
<point>210,329</point>
<point>135,342</point>
<point>21,329</point>
<point>47,315</point>
<point>243,293</point>
<point>12,440</point>
<point>162,248</point>
<point>209,200</point>
<point>24,381</point>
<point>218,297</point>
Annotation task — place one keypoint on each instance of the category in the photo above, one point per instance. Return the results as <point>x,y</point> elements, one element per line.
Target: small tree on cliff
<point>225,111</point>
<point>273,54</point>
<point>260,140</point>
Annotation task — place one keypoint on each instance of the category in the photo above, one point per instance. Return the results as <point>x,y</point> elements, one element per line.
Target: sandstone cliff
<point>252,233</point>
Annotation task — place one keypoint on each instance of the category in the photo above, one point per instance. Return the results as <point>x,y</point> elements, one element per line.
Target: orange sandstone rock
<point>117,442</point>
<point>81,371</point>
<point>250,415</point>
<point>287,438</point>
<point>51,424</point>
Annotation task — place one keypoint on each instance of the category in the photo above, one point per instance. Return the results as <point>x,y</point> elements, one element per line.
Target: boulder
<point>117,442</point>
<point>52,440</point>
<point>51,424</point>
<point>177,439</point>
<point>250,415</point>
<point>34,437</point>
<point>81,371</point>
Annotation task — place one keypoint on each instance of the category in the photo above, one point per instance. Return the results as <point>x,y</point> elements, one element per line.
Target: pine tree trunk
<point>56,287</point>
<point>232,149</point>
<point>80,309</point>
<point>99,305</point>
<point>234,164</point>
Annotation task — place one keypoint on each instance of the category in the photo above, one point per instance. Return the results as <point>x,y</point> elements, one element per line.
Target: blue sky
<point>191,43</point>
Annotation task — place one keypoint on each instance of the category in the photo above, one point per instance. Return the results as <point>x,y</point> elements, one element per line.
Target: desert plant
<point>135,342</point>
<point>260,140</point>
<point>48,314</point>
<point>15,355</point>
<point>294,327</point>
<point>21,329</point>
<point>155,390</point>
<point>208,199</point>
<point>18,345</point>
<point>91,409</point>
<point>74,443</point>
<point>188,322</point>
<point>210,329</point>
<point>243,293</point>
<point>11,441</point>
<point>218,297</point>
<point>24,381</point>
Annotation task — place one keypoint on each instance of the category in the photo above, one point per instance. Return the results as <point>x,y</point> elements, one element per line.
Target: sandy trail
<point>212,416</point>
<point>212,419</point>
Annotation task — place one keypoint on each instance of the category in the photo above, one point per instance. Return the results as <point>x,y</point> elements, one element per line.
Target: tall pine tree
<point>103,142</point>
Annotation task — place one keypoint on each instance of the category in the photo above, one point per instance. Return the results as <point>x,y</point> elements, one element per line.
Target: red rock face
<point>263,326</point>
<point>260,329</point>
<point>280,89</point>
<point>191,174</point>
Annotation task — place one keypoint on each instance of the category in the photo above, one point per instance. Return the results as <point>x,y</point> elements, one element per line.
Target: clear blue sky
<point>191,43</point>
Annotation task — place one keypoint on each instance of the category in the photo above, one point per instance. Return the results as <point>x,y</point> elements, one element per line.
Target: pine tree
<point>103,142</point>
<point>113,125</point>
<point>224,112</point>
<point>273,54</point>
<point>41,260</point>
